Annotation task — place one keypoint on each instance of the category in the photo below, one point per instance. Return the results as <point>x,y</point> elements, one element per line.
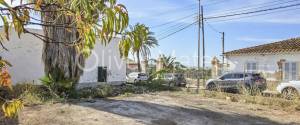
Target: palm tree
<point>171,65</point>
<point>168,62</point>
<point>179,67</point>
<point>146,46</point>
<point>139,41</point>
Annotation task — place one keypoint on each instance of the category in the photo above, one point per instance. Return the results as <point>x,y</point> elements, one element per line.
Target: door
<point>237,80</point>
<point>102,74</point>
<point>225,80</point>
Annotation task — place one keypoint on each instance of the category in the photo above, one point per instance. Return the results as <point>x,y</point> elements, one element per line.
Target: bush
<point>34,94</point>
<point>38,94</point>
<point>103,91</point>
<point>251,90</point>
<point>64,88</point>
<point>100,91</point>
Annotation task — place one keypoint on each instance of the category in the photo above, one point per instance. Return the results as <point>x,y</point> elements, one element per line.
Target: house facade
<point>278,61</point>
<point>25,54</point>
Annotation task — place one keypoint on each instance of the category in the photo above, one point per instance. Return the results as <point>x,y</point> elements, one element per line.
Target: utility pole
<point>223,51</point>
<point>203,45</point>
<point>199,42</point>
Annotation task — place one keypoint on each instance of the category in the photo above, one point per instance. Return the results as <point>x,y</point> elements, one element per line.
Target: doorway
<point>102,74</point>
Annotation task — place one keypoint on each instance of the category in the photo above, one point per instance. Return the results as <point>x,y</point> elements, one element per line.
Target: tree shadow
<point>5,121</point>
<point>157,114</point>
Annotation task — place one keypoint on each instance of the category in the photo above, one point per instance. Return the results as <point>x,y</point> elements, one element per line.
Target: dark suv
<point>235,80</point>
<point>175,79</point>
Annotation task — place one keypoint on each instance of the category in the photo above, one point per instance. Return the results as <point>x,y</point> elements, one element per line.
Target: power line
<point>186,7</point>
<point>252,12</point>
<point>171,29</point>
<point>215,3</point>
<point>221,16</point>
<point>178,30</point>
<point>253,15</point>
<point>212,27</point>
<point>178,24</point>
<point>171,11</point>
<point>255,6</point>
<point>174,21</point>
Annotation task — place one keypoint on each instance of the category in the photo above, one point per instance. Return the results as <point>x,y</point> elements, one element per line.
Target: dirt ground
<point>165,108</point>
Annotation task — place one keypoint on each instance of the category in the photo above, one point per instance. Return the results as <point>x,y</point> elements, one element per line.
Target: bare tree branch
<point>3,46</point>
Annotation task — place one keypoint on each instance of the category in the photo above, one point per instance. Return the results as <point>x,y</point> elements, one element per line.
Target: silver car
<point>136,77</point>
<point>289,90</point>
<point>231,81</point>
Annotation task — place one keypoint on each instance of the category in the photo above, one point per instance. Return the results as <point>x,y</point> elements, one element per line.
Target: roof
<point>284,46</point>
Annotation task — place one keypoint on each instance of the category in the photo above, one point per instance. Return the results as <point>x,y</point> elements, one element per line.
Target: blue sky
<point>240,33</point>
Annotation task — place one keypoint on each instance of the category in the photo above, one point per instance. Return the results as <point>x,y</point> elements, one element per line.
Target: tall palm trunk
<point>61,60</point>
<point>138,61</point>
<point>146,65</point>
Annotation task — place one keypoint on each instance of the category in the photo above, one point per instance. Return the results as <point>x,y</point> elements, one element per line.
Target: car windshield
<point>142,74</point>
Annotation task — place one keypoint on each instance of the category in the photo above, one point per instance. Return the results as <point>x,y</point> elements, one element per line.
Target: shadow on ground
<point>157,114</point>
<point>4,121</point>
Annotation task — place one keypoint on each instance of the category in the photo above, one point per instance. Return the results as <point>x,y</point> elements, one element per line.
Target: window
<point>227,76</point>
<point>251,67</point>
<point>239,76</point>
<point>290,71</point>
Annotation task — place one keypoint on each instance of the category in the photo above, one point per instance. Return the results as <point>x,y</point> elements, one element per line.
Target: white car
<point>136,77</point>
<point>289,90</point>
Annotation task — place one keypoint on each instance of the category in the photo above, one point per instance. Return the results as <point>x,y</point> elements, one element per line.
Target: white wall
<point>266,63</point>
<point>105,56</point>
<point>25,55</point>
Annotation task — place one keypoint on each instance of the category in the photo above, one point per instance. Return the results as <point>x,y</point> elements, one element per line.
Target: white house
<point>278,61</point>
<point>25,54</point>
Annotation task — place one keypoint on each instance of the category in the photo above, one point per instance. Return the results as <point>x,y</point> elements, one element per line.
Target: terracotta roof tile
<point>290,45</point>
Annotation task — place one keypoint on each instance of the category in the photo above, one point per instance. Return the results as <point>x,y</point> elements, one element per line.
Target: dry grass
<point>272,101</point>
<point>272,85</point>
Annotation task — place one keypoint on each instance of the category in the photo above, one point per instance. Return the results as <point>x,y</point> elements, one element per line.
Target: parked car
<point>232,81</point>
<point>175,79</point>
<point>136,77</point>
<point>289,90</point>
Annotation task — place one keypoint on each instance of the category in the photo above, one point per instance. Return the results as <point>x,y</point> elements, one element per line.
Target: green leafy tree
<point>71,28</point>
<point>9,105</point>
<point>139,41</point>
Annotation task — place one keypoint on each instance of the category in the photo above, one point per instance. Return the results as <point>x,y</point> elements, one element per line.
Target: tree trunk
<point>61,60</point>
<point>146,65</point>
<point>138,61</point>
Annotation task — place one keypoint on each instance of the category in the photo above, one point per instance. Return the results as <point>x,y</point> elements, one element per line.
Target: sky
<point>239,33</point>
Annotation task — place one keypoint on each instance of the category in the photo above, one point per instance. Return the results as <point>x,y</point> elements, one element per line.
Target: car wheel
<point>172,84</point>
<point>182,85</point>
<point>212,87</point>
<point>290,93</point>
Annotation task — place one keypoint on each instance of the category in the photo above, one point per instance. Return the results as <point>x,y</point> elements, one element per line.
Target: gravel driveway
<point>165,108</point>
